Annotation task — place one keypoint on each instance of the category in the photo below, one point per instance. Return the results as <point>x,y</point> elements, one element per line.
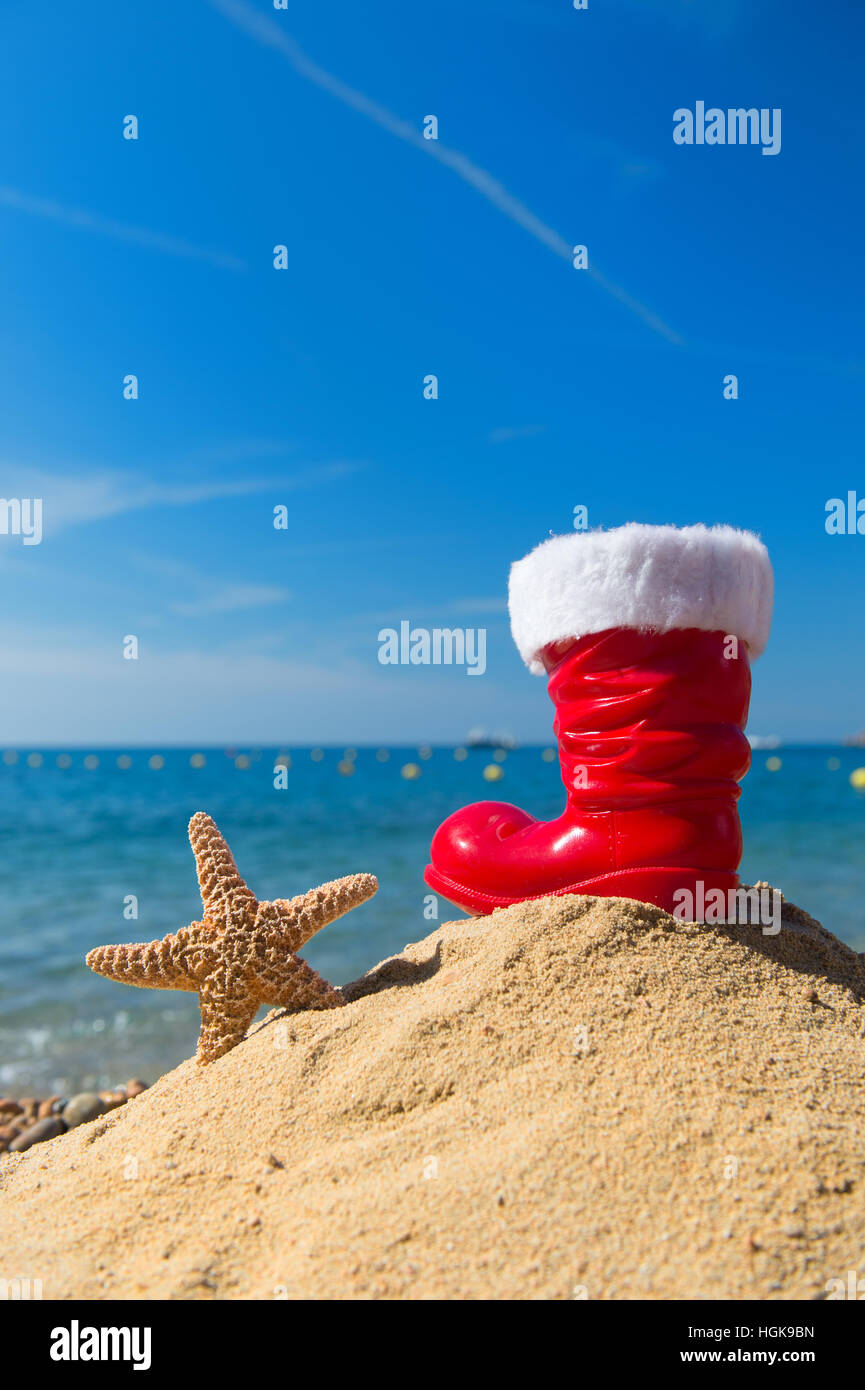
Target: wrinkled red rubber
<point>656,886</point>
<point>654,722</point>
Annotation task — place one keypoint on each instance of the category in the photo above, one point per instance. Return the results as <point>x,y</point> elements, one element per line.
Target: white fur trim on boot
<point>655,578</point>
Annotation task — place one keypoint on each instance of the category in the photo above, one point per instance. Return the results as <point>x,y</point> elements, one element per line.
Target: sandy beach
<point>571,1098</point>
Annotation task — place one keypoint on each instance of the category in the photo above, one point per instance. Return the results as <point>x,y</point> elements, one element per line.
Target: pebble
<point>83,1107</point>
<point>111,1099</point>
<point>48,1128</point>
<point>30,1121</point>
<point>7,1134</point>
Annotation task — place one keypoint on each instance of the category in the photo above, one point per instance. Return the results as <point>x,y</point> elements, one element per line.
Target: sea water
<point>90,843</point>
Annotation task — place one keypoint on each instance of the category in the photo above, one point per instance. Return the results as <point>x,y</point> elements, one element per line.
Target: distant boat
<point>479,738</point>
<point>855,740</point>
<point>764,740</point>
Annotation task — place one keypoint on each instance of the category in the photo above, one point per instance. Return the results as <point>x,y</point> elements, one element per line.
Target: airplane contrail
<point>272,35</point>
<point>121,231</point>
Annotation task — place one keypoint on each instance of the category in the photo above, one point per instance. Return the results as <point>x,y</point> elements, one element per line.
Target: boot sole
<point>655,886</point>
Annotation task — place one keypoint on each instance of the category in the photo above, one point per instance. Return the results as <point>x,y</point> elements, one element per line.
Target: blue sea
<point>84,837</point>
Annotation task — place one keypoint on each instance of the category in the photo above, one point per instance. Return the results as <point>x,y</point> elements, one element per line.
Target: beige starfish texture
<point>244,953</point>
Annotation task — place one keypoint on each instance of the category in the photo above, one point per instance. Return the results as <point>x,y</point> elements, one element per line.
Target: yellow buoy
<point>857,778</point>
<point>410,771</point>
<point>91,762</point>
<point>346,768</point>
<point>382,755</point>
<point>197,760</point>
<point>34,759</point>
<point>493,773</point>
<point>834,764</point>
<point>773,764</point>
<point>317,754</point>
<point>124,761</point>
<point>157,762</point>
<point>500,754</point>
<point>461,754</point>
<point>64,760</point>
<point>549,755</point>
<point>10,757</point>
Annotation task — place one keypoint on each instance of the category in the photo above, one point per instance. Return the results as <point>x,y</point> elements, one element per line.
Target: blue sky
<point>304,387</point>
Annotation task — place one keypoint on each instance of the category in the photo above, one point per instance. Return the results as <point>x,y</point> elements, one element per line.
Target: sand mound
<point>576,1097</point>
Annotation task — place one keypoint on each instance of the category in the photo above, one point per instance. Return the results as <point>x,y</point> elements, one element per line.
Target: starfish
<point>244,952</point>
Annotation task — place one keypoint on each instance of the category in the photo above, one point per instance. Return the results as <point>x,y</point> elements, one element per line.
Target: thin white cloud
<point>478,605</point>
<point>119,231</point>
<point>234,450</point>
<point>271,34</point>
<point>506,433</point>
<point>74,499</point>
<point>231,598</point>
<point>65,688</point>
<point>424,613</point>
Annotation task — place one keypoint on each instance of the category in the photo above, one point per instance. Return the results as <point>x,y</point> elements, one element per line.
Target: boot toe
<point>466,846</point>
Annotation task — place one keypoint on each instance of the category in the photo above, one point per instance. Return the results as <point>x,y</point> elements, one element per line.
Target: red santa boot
<point>646,635</point>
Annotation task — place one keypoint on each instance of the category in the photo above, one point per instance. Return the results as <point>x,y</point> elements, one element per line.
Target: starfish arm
<point>300,918</point>
<point>243,953</point>
<point>290,983</point>
<point>148,964</point>
<point>222,889</point>
<point>226,1013</point>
